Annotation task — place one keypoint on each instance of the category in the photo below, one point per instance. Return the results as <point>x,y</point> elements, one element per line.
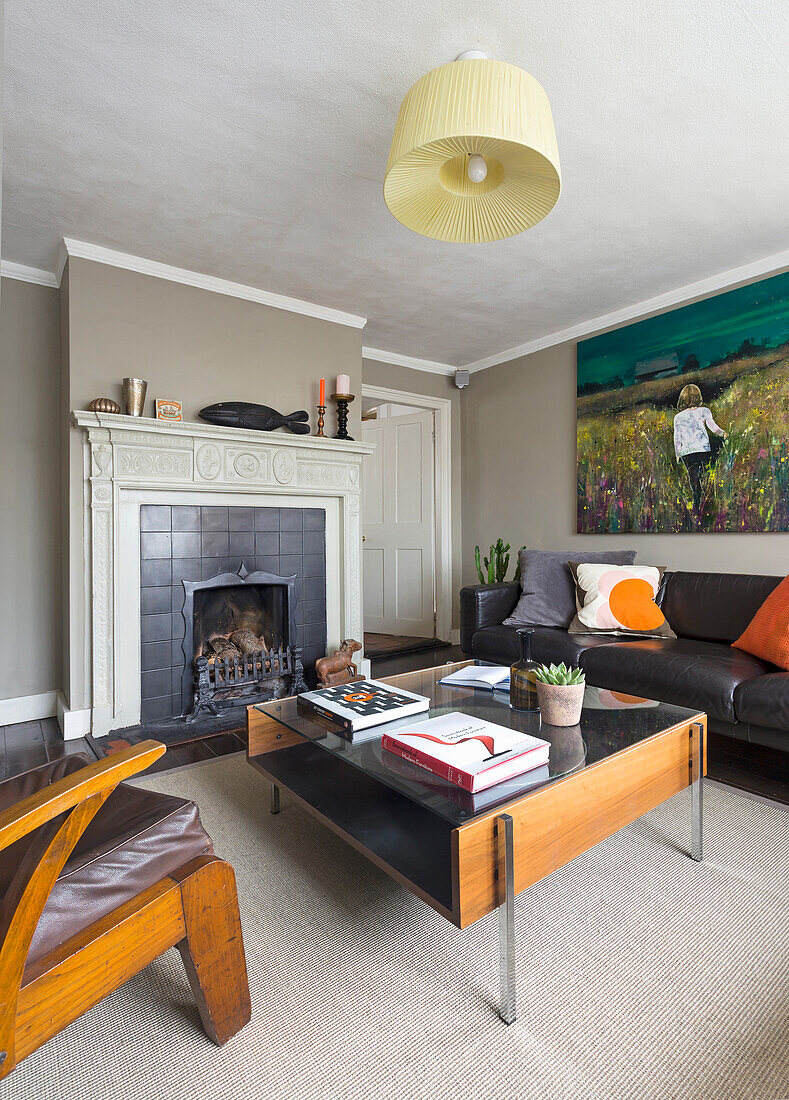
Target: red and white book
<point>469,752</point>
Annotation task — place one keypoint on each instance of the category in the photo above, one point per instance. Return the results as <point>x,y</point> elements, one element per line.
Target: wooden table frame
<point>497,855</point>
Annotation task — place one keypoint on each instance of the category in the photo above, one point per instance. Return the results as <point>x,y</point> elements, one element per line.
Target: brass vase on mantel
<point>134,390</point>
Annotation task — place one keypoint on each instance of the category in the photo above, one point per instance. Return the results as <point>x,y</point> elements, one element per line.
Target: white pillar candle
<point>343,383</point>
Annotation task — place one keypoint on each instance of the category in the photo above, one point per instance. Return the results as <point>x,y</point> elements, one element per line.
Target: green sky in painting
<point>710,330</point>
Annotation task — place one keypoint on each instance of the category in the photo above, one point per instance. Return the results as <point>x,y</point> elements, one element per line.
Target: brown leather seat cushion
<point>699,675</point>
<point>136,839</point>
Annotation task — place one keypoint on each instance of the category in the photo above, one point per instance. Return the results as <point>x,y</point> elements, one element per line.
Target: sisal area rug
<point>641,974</point>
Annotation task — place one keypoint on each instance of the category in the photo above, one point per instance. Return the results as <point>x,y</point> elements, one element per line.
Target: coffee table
<point>466,855</point>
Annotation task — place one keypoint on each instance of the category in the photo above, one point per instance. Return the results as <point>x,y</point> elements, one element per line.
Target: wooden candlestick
<point>321,413</point>
<point>343,401</point>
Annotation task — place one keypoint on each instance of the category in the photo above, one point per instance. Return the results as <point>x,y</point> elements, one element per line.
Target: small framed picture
<point>168,410</point>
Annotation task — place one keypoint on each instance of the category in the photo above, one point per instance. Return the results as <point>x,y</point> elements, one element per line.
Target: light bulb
<point>477,168</point>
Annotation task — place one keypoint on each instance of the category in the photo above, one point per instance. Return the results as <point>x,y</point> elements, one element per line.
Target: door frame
<point>441,407</point>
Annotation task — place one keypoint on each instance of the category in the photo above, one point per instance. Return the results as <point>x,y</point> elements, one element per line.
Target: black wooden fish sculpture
<point>245,414</point>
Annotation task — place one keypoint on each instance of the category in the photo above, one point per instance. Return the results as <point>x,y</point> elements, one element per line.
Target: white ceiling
<point>247,140</point>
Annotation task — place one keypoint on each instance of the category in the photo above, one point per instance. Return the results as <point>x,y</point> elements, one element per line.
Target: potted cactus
<point>560,691</point>
<point>493,569</point>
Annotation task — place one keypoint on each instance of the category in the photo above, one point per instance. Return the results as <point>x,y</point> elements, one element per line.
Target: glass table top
<point>610,722</point>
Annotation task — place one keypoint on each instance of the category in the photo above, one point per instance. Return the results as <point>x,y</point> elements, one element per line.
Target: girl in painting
<point>692,425</point>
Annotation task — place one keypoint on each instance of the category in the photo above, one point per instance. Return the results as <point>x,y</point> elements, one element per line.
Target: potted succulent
<point>560,691</point>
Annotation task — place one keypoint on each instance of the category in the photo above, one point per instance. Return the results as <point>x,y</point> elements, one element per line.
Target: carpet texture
<point>641,974</point>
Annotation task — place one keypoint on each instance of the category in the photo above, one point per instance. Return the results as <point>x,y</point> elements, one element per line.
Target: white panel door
<point>399,526</point>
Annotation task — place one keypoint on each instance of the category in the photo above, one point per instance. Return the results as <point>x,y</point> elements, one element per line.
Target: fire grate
<point>223,679</point>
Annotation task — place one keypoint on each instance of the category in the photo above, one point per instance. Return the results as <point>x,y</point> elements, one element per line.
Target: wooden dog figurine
<point>339,668</point>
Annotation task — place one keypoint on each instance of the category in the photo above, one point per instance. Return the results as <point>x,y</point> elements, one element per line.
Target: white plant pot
<point>560,704</point>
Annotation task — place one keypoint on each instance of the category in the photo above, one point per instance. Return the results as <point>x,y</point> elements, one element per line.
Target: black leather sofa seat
<point>743,696</point>
<point>682,671</point>
<point>549,645</point>
<point>764,701</point>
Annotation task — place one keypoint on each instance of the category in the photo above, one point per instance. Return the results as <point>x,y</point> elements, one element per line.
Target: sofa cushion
<point>764,701</point>
<point>618,600</point>
<point>549,645</point>
<point>548,589</point>
<point>767,634</point>
<point>713,607</point>
<point>700,675</point>
<point>136,839</point>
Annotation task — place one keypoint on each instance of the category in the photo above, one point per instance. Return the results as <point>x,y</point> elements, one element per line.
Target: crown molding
<point>62,260</point>
<point>85,251</point>
<point>28,274</point>
<point>770,265</point>
<point>407,361</point>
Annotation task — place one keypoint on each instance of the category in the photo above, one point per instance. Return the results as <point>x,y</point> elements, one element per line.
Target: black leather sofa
<point>743,697</point>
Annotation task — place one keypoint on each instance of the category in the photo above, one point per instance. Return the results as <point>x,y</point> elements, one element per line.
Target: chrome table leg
<point>274,798</point>
<point>696,795</point>
<point>506,898</point>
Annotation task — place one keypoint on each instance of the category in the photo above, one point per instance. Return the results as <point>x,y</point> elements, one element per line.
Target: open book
<point>470,752</point>
<point>490,677</point>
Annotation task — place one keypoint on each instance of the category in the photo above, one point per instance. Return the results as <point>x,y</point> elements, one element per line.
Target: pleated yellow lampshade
<point>473,106</point>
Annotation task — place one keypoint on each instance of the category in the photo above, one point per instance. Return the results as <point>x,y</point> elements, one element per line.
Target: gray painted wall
<point>519,476</point>
<point>197,346</point>
<point>191,345</point>
<point>2,55</point>
<point>29,496</point>
<point>407,380</point>
<point>513,435</point>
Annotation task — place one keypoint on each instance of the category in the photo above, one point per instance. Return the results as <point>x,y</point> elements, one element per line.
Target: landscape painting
<point>683,419</point>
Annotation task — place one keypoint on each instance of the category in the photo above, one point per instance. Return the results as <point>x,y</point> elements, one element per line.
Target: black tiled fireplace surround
<point>192,542</point>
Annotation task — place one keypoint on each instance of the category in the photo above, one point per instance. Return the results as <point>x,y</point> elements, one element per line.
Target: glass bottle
<point>523,683</point>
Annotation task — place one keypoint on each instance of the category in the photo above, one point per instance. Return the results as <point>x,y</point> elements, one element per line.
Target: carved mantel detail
<point>127,453</point>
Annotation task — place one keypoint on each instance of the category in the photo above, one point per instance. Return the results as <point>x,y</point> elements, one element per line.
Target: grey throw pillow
<point>548,589</point>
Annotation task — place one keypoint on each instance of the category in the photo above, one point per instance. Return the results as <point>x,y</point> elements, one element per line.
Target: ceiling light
<point>474,155</point>
<point>477,168</point>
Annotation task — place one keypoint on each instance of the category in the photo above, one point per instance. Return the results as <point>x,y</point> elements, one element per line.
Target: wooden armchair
<point>141,877</point>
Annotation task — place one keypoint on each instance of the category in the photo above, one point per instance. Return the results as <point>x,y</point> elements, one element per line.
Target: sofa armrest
<point>485,605</point>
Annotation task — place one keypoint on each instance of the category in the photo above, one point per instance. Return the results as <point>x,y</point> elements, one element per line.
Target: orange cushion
<point>767,634</point>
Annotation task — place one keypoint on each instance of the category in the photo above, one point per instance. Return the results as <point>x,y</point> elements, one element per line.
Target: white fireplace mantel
<point>133,460</point>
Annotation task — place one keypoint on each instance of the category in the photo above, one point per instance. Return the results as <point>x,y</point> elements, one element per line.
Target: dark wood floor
<point>28,744</point>
<point>378,646</point>
<point>210,747</point>
<point>410,662</point>
<point>752,768</point>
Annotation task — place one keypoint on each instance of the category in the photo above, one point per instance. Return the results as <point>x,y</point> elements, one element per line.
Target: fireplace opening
<point>238,619</point>
<point>237,641</point>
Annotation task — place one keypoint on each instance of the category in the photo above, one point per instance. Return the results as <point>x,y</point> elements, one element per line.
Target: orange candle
<point>322,398</point>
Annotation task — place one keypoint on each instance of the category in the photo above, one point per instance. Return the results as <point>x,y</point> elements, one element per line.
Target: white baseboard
<point>28,708</point>
<point>73,723</point>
